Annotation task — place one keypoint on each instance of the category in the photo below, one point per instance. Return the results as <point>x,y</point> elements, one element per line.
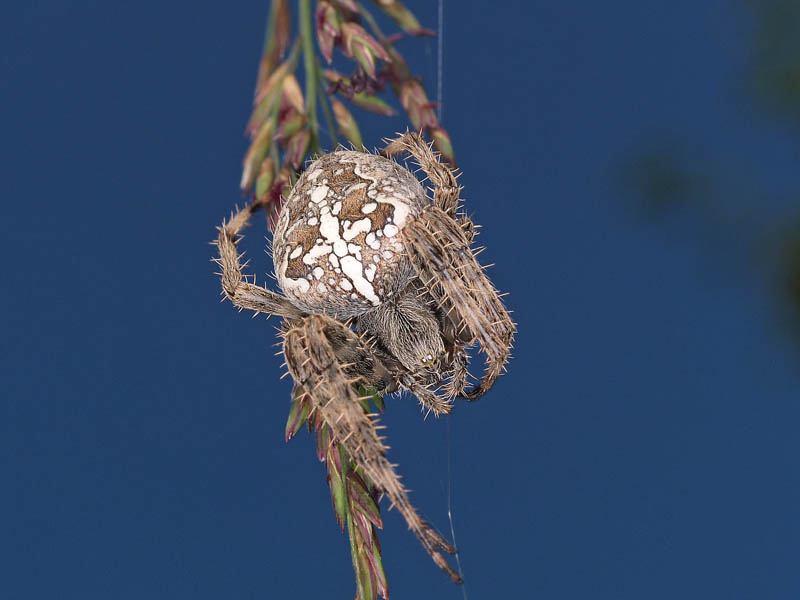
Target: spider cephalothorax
<point>382,289</point>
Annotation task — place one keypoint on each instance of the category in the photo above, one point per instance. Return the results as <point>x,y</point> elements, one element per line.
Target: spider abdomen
<point>338,242</point>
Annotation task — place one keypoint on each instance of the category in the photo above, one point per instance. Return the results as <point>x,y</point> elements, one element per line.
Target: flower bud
<point>266,173</point>
<point>442,142</point>
<point>255,154</point>
<point>297,415</point>
<point>337,463</point>
<point>373,104</point>
<point>347,124</point>
<point>362,47</point>
<point>402,16</point>
<point>273,83</point>
<point>323,438</point>
<point>297,148</point>
<point>289,123</point>
<point>361,500</point>
<point>265,98</point>
<point>292,94</point>
<point>419,108</point>
<point>329,28</point>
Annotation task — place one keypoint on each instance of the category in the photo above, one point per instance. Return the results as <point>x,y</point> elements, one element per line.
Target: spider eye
<point>427,360</point>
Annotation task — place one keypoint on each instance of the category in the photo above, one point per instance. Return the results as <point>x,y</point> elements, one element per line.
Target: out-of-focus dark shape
<point>775,66</point>
<point>789,276</point>
<point>728,202</point>
<point>664,179</point>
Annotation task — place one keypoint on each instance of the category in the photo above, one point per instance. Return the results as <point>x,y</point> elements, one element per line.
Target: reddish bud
<point>402,16</point>
<point>329,28</point>
<point>266,174</point>
<point>347,124</point>
<point>289,123</point>
<point>272,84</point>
<point>297,415</point>
<point>362,47</point>
<point>338,484</point>
<point>291,93</point>
<point>265,97</point>
<point>377,565</point>
<point>361,500</point>
<point>419,108</point>
<point>442,142</point>
<point>323,440</point>
<point>297,148</point>
<point>255,154</point>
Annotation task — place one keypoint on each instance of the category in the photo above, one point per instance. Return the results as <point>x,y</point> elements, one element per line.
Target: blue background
<point>634,165</point>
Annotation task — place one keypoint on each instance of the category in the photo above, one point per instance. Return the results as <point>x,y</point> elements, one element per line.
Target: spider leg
<point>456,336</point>
<point>356,359</point>
<point>235,286</point>
<point>458,381</point>
<point>428,398</point>
<point>444,180</point>
<point>314,363</point>
<point>441,253</point>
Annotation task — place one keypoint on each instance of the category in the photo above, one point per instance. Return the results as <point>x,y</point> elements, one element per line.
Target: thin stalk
<point>310,63</point>
<point>326,110</point>
<point>274,155</point>
<point>373,24</point>
<point>276,103</point>
<point>269,40</point>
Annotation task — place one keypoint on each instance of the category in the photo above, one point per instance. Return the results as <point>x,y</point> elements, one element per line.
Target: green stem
<point>326,110</point>
<point>269,40</point>
<point>273,153</point>
<point>310,62</point>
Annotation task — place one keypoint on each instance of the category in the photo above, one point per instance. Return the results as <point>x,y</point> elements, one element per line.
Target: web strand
<point>439,87</point>
<point>450,505</point>
<point>439,61</point>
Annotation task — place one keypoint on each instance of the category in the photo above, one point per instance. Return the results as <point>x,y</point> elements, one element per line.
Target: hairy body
<point>381,288</point>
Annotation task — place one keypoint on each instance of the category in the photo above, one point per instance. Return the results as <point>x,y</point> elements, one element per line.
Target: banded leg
<point>441,254</point>
<point>235,286</point>
<point>458,381</point>
<point>428,398</point>
<point>446,189</point>
<point>312,361</point>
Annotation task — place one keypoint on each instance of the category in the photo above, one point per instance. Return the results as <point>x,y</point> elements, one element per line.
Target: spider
<point>381,288</point>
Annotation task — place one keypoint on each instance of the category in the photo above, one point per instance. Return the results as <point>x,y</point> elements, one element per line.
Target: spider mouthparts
<point>428,361</point>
